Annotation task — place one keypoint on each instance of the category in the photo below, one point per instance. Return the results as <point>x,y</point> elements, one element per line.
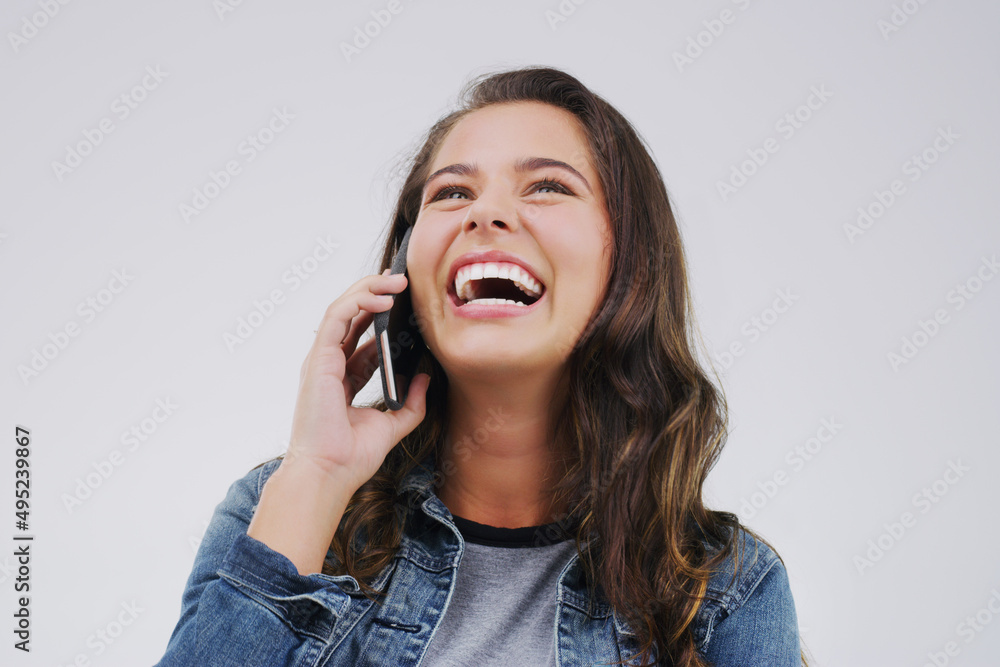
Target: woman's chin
<point>487,363</point>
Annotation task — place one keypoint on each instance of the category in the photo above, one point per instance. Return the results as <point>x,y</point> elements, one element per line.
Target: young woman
<point>537,501</point>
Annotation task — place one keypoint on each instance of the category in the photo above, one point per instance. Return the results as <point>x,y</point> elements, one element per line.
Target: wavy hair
<point>643,422</point>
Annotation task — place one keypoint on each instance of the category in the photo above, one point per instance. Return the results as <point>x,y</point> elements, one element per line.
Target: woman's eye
<point>552,185</point>
<point>447,191</point>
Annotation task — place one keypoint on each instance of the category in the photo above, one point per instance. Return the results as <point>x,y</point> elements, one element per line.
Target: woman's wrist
<point>299,510</point>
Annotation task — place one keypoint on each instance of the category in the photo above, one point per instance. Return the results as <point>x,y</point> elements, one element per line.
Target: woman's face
<point>488,193</point>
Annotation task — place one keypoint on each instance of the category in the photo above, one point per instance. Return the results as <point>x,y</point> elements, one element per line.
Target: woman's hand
<point>335,447</point>
<point>327,431</point>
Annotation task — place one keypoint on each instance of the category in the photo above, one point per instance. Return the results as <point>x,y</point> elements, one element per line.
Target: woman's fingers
<point>412,413</point>
<point>372,294</point>
<point>358,328</point>
<point>360,368</point>
<point>326,428</point>
<point>336,324</point>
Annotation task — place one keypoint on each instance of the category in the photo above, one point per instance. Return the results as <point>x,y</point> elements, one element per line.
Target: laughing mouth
<point>495,283</point>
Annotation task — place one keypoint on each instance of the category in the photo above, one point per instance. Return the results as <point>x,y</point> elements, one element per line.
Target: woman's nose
<point>494,212</point>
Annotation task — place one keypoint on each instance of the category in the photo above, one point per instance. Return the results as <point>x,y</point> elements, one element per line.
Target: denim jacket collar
<point>418,487</point>
<point>247,604</point>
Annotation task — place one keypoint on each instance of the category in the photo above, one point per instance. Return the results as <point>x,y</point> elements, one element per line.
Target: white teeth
<point>465,275</point>
<point>493,302</point>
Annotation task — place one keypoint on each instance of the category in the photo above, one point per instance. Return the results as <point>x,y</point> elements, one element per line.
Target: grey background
<point>330,174</point>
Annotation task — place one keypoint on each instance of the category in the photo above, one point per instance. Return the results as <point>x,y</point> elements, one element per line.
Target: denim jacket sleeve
<point>754,621</point>
<point>245,604</point>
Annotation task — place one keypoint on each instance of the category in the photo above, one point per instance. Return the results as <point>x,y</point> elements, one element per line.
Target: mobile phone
<point>398,341</point>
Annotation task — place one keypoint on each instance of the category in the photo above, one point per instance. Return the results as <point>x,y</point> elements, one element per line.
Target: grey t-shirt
<point>503,609</point>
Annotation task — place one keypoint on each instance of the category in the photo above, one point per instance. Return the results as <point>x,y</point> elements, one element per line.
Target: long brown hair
<point>644,422</point>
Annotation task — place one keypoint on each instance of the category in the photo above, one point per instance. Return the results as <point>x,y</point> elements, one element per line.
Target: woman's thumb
<point>415,407</point>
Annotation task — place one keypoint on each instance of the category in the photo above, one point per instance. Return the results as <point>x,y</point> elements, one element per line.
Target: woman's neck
<point>499,462</point>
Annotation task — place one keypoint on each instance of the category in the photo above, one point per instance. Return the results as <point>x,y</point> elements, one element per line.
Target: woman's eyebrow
<point>521,166</point>
<point>534,163</point>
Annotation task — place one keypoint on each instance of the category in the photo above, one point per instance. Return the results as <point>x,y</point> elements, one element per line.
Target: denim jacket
<point>246,605</point>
